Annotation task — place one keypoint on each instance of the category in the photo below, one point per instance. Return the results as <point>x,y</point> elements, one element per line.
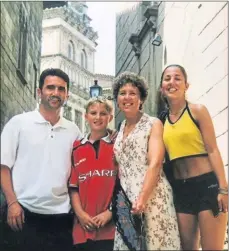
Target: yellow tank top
<point>183,138</point>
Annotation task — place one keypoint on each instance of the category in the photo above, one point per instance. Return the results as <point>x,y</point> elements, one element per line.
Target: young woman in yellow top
<point>199,182</point>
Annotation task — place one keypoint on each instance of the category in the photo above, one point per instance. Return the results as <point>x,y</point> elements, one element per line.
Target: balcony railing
<point>80,91</point>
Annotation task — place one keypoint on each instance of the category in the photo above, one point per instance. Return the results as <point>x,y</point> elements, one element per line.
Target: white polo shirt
<point>39,155</point>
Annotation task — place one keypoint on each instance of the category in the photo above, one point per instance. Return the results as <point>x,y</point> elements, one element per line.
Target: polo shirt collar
<point>105,138</point>
<point>38,118</point>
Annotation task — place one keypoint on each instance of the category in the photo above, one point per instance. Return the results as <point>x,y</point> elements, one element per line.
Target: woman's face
<point>173,84</point>
<point>129,98</point>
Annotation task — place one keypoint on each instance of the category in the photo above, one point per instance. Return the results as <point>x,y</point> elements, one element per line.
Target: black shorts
<point>196,194</point>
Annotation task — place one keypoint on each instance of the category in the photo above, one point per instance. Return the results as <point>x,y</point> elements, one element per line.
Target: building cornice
<point>79,91</point>
<point>59,23</point>
<point>69,61</point>
<point>104,76</point>
<point>73,19</point>
<point>149,25</point>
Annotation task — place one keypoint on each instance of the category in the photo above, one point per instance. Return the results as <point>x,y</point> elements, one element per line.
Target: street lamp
<point>157,40</point>
<point>95,90</point>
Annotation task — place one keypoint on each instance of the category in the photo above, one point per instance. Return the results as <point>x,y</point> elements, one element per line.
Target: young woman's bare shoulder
<point>197,109</point>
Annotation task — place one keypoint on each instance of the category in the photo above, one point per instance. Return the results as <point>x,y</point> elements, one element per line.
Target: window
<point>23,31</point>
<point>68,113</point>
<point>71,50</point>
<point>165,56</point>
<point>78,119</point>
<point>87,128</point>
<point>35,81</point>
<point>84,59</point>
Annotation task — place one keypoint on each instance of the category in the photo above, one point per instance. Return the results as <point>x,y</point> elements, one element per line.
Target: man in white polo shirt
<point>35,167</point>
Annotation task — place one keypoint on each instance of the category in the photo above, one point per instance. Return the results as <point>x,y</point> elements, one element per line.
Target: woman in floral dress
<point>139,151</point>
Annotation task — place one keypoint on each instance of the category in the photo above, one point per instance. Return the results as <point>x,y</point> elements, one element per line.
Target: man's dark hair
<point>53,72</point>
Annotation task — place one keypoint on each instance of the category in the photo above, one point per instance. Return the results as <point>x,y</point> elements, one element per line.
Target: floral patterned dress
<point>160,218</point>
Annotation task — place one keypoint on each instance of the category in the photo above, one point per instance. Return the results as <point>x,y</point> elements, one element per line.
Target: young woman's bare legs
<point>212,230</point>
<point>189,231</point>
<point>207,230</point>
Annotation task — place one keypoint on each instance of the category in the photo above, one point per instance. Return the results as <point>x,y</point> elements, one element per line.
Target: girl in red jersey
<point>92,181</point>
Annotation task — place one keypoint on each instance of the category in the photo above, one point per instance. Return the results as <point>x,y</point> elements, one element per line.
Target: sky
<point>103,21</point>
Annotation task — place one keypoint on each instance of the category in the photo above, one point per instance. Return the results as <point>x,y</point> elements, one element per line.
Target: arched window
<point>84,59</point>
<point>71,50</point>
<point>68,113</point>
<point>78,119</point>
<point>23,43</point>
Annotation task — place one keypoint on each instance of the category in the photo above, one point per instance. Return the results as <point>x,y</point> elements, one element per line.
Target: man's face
<point>54,92</point>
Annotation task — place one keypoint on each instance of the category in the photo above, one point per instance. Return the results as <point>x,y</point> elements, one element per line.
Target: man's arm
<point>9,143</point>
<point>15,214</point>
<point>7,185</point>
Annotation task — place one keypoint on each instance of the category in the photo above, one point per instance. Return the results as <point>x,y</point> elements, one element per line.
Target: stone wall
<point>138,57</point>
<point>19,74</point>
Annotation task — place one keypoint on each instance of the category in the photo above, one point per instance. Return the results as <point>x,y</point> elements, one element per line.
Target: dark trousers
<point>39,233</point>
<point>101,245</point>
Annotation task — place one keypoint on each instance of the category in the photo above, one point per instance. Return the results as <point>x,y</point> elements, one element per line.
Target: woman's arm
<point>202,116</point>
<point>156,151</point>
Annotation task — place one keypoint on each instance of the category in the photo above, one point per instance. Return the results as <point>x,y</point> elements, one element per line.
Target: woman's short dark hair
<point>53,72</point>
<point>135,80</point>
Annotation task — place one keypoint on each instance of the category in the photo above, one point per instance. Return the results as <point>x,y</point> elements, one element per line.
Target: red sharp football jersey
<point>94,173</point>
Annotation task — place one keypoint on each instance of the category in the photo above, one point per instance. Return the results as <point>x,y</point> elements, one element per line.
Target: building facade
<point>68,43</point>
<point>135,30</point>
<point>21,29</point>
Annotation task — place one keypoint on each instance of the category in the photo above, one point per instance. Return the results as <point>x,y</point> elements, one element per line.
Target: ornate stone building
<point>21,29</point>
<point>69,42</point>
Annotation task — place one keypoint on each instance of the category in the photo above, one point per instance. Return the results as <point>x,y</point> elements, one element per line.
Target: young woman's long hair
<point>162,103</point>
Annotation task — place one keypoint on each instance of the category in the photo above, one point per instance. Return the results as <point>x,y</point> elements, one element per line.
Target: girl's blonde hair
<point>100,100</point>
